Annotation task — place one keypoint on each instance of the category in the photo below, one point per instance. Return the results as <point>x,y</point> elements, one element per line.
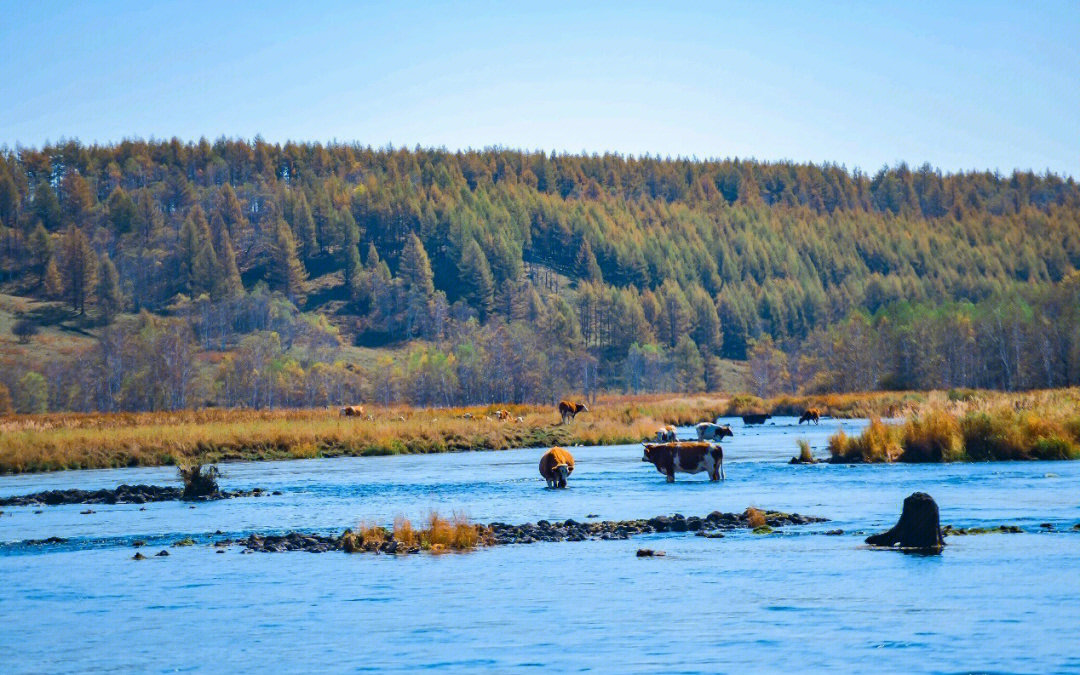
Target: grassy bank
<point>80,441</point>
<point>1041,425</point>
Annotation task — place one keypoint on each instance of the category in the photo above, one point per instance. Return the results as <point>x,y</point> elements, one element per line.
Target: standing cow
<point>686,457</point>
<point>706,431</point>
<point>556,466</point>
<point>665,434</point>
<point>568,410</point>
<point>352,411</point>
<point>811,415</point>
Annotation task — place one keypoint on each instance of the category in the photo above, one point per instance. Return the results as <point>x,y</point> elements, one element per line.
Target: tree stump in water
<point>919,527</point>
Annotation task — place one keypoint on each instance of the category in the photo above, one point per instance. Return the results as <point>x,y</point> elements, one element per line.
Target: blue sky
<point>962,85</point>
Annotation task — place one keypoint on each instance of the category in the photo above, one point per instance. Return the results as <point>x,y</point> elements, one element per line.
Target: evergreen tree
<point>47,206</point>
<point>227,277</point>
<point>477,283</point>
<point>9,199</point>
<point>304,225</point>
<point>40,246</point>
<point>689,366</point>
<point>198,259</point>
<point>122,210</point>
<point>78,199</point>
<point>110,298</point>
<point>78,265</point>
<point>286,272</point>
<point>353,271</point>
<point>587,267</point>
<point>415,268</point>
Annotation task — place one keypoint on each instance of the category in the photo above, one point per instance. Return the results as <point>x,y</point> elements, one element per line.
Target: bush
<point>754,517</point>
<point>199,481</point>
<point>879,442</point>
<point>24,329</point>
<point>805,454</point>
<point>933,437</point>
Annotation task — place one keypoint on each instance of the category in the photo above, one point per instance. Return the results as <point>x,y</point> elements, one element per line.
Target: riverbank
<point>34,443</point>
<point>1044,427</point>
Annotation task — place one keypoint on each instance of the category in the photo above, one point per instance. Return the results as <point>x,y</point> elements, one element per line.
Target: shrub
<point>754,517</point>
<point>24,329</point>
<point>1054,447</point>
<point>932,437</point>
<point>805,455</point>
<point>199,481</point>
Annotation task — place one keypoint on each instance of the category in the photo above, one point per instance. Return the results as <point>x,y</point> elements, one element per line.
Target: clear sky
<point>962,85</point>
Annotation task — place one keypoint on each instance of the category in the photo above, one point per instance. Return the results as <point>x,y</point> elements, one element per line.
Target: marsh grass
<point>755,518</point>
<point>806,456</point>
<point>438,534</point>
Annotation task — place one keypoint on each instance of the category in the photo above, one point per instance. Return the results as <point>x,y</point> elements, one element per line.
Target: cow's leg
<point>722,476</point>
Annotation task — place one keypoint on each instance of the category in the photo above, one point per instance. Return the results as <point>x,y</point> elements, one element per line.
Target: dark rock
<point>122,494</point>
<point>919,527</point>
<point>138,542</point>
<point>49,540</point>
<point>710,535</point>
<point>221,550</point>
<point>649,553</point>
<point>138,556</point>
<point>161,554</point>
<point>277,492</point>
<point>593,515</point>
<point>1046,526</point>
<point>834,533</point>
<point>87,512</point>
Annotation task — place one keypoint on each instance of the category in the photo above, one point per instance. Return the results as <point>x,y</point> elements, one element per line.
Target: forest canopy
<point>502,275</point>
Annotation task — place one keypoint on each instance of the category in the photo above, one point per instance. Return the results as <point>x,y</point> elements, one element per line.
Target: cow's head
<point>562,472</point>
<point>724,430</point>
<point>581,407</point>
<point>646,457</point>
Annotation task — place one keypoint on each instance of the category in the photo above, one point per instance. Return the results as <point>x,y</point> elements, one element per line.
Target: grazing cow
<point>686,457</point>
<point>665,434</point>
<point>352,411</point>
<point>569,410</point>
<point>502,415</point>
<point>519,419</point>
<point>756,418</point>
<point>556,466</point>
<point>811,415</point>
<point>706,431</point>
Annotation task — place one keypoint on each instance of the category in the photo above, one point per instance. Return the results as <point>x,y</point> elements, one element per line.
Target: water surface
<point>794,600</point>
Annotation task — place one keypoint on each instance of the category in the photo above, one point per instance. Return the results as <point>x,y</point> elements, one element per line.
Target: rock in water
<point>919,527</point>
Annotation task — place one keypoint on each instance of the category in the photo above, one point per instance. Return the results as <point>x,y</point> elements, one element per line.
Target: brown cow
<point>352,411</point>
<point>755,418</point>
<point>686,457</point>
<point>569,410</point>
<point>502,415</point>
<point>811,415</point>
<point>665,434</point>
<point>556,466</point>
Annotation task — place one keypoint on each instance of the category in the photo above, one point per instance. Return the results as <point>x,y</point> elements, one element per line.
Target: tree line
<point>610,271</point>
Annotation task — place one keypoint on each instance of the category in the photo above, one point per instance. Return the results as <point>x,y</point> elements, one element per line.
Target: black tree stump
<point>919,528</point>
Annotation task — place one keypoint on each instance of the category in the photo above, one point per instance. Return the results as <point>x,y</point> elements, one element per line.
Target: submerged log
<point>918,529</point>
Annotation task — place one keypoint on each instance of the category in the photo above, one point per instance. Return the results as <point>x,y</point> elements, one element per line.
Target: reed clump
<point>755,518</point>
<point>806,456</point>
<point>438,534</point>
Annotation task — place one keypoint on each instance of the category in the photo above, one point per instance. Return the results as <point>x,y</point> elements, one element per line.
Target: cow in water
<point>352,411</point>
<point>556,466</point>
<point>665,434</point>
<point>687,457</point>
<point>755,418</point>
<point>568,410</point>
<point>707,431</point>
<point>811,415</point>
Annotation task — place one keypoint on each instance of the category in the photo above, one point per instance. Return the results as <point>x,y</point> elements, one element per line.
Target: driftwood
<point>918,529</point>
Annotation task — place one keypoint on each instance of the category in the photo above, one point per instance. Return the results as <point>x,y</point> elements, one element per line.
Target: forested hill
<point>624,264</point>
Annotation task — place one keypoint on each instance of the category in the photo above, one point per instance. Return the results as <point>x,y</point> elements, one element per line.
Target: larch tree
<point>40,245</point>
<point>286,272</point>
<point>477,283</point>
<point>227,281</point>
<point>110,297</point>
<point>78,267</point>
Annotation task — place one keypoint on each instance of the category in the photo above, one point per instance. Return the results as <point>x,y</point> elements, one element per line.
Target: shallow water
<point>796,600</point>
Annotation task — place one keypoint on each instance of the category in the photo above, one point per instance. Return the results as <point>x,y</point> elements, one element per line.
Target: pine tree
<point>286,271</point>
<point>587,267</point>
<point>228,283</point>
<point>415,268</point>
<point>110,298</point>
<point>40,245</point>
<point>53,282</point>
<point>47,206</point>
<point>79,265</point>
<point>353,271</point>
<point>78,199</point>
<point>476,280</point>
<point>9,199</point>
<point>122,211</point>
<point>304,225</point>
<point>198,259</point>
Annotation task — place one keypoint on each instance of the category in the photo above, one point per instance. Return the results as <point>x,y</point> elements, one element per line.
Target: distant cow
<point>686,457</point>
<point>569,410</point>
<point>352,411</point>
<point>502,414</point>
<point>707,431</point>
<point>756,418</point>
<point>556,466</point>
<point>665,434</point>
<point>811,415</point>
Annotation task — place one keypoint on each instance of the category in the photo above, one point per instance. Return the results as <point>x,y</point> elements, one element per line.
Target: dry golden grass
<point>754,517</point>
<point>805,454</point>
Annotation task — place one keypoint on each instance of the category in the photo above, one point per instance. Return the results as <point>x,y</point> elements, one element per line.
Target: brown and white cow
<point>811,415</point>
<point>352,411</point>
<point>707,431</point>
<point>686,457</point>
<point>502,415</point>
<point>556,466</point>
<point>665,434</point>
<point>569,410</point>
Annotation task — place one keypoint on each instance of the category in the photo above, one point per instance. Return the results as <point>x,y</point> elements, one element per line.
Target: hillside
<point>305,274</point>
